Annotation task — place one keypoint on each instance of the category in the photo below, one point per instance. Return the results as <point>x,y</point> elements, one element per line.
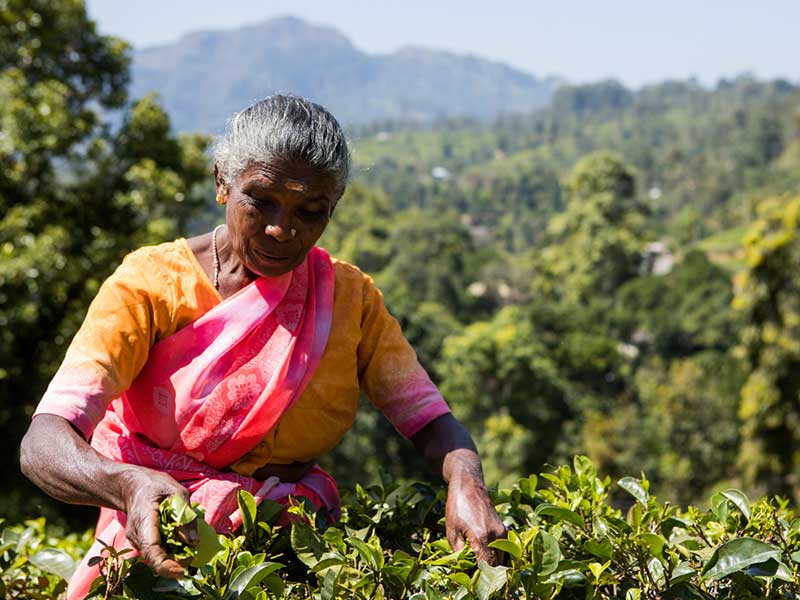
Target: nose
<point>280,228</point>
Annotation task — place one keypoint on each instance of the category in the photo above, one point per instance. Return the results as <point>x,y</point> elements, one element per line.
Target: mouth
<point>274,259</point>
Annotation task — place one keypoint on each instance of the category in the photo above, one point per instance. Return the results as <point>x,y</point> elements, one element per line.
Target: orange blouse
<point>157,290</point>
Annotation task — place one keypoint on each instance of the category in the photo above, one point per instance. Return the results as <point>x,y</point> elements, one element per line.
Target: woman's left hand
<point>470,515</point>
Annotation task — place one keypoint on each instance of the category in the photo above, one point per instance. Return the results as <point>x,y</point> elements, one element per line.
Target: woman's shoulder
<point>176,252</point>
<point>353,288</point>
<point>167,270</point>
<point>169,261</point>
<point>349,275</point>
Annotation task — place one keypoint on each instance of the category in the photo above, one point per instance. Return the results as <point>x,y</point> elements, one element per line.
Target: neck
<point>233,275</point>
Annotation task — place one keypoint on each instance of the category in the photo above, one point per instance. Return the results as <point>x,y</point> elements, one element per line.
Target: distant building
<point>658,259</point>
<point>440,173</point>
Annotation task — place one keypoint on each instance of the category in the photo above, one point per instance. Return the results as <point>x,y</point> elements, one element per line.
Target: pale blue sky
<point>637,42</point>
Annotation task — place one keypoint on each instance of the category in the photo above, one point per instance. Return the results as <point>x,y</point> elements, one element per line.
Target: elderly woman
<point>234,359</point>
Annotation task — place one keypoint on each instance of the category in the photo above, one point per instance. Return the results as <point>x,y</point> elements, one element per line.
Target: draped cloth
<point>211,391</point>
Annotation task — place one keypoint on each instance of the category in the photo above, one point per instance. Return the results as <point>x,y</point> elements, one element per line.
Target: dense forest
<point>614,275</point>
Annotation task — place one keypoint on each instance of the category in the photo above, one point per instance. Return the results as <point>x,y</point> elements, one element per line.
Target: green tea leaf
<point>634,488</point>
<point>600,549</point>
<point>597,568</point>
<point>328,589</point>
<point>546,552</point>
<point>54,561</point>
<point>736,555</point>
<point>508,547</point>
<point>491,580</point>
<point>365,551</point>
<point>209,544</point>
<point>248,509</point>
<point>683,572</point>
<point>739,500</point>
<point>654,543</point>
<point>560,514</point>
<point>307,543</point>
<point>719,506</point>
<point>461,579</point>
<point>771,568</point>
<point>584,467</point>
<point>249,578</point>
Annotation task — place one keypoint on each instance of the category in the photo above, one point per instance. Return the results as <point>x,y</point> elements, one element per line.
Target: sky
<point>637,42</point>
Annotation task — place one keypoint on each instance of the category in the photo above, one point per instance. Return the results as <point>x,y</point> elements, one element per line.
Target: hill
<point>205,76</point>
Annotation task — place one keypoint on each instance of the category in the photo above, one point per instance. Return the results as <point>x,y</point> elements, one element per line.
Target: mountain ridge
<point>205,76</point>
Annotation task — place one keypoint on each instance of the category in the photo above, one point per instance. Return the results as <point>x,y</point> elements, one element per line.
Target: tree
<point>359,228</point>
<point>595,244</point>
<point>75,196</point>
<point>544,365</point>
<point>768,294</point>
<point>680,427</point>
<point>685,311</point>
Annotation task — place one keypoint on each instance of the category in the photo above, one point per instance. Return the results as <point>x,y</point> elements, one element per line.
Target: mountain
<point>205,76</point>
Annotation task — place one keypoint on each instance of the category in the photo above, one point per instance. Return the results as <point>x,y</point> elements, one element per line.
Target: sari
<point>211,391</point>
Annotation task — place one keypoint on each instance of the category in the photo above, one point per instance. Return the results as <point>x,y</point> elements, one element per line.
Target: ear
<point>219,183</point>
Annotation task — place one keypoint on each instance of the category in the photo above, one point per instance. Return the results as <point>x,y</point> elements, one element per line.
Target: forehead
<point>296,176</point>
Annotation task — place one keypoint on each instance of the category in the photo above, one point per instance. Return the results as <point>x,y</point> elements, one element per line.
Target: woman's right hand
<point>56,457</point>
<point>142,492</point>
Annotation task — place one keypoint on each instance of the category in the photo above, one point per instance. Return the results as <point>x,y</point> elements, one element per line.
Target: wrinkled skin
<point>264,204</point>
<point>57,459</point>
<point>469,512</point>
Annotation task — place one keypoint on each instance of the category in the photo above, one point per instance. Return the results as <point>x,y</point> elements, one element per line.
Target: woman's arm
<point>57,459</point>
<point>470,514</point>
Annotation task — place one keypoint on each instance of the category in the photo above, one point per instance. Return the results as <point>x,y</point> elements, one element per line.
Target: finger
<point>162,564</point>
<point>456,538</point>
<point>152,552</point>
<point>189,533</point>
<point>480,545</point>
<point>489,555</point>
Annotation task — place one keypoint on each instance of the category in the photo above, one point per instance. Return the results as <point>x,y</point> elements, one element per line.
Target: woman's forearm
<point>469,513</point>
<point>57,459</point>
<point>449,449</point>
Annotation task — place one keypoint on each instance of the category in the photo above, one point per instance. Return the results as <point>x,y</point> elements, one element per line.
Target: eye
<point>260,201</point>
<point>311,213</point>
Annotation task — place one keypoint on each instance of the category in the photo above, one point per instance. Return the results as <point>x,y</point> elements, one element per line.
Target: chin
<point>277,269</point>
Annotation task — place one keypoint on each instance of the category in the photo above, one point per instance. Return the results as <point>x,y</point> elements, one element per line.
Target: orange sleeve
<point>389,371</point>
<point>130,311</point>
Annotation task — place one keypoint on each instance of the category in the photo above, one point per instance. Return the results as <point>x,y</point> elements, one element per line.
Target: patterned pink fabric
<point>211,391</point>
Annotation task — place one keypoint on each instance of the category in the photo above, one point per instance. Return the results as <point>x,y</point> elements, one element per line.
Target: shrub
<point>564,541</point>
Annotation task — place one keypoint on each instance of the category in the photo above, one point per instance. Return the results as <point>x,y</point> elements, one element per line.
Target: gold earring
<point>294,232</point>
<point>221,199</point>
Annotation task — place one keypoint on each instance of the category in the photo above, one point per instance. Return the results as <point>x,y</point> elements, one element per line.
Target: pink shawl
<point>210,392</point>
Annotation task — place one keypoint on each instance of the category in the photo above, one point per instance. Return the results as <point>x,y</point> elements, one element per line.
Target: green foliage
<point>36,562</point>
<point>359,229</point>
<point>74,196</point>
<point>564,541</point>
<point>683,430</point>
<point>768,294</point>
<point>175,515</point>
<point>596,243</point>
<point>680,313</point>
<point>545,365</point>
<point>511,254</point>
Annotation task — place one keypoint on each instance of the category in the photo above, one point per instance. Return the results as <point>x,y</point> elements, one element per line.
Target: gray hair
<point>284,128</point>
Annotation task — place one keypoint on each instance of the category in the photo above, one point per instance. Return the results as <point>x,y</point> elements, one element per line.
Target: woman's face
<point>275,214</point>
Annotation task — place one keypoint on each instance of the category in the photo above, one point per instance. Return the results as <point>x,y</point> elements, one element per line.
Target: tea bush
<point>565,541</point>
